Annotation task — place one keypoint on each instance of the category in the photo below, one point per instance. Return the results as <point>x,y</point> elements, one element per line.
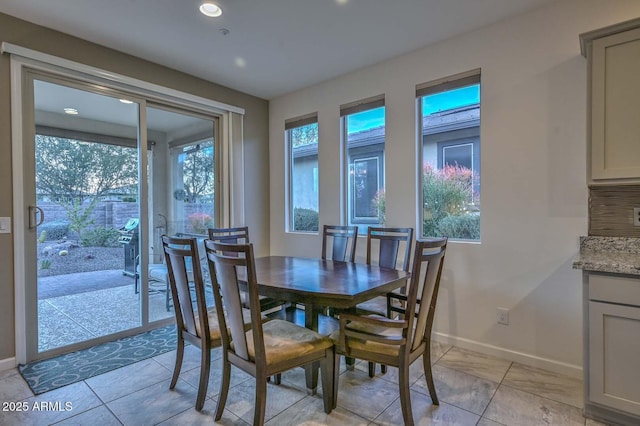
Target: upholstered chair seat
<point>285,341</point>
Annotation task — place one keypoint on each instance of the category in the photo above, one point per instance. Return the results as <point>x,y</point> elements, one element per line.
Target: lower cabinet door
<point>614,356</point>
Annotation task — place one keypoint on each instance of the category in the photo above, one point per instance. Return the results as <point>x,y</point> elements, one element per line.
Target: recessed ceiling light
<point>71,111</point>
<point>210,9</point>
<point>126,101</point>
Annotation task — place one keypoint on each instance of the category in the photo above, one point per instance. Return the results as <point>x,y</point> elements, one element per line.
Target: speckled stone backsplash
<point>609,244</point>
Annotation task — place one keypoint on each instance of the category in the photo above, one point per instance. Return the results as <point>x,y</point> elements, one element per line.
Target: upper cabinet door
<point>615,107</point>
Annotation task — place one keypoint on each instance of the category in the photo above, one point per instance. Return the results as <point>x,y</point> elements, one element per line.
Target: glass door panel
<point>182,190</point>
<point>87,194</point>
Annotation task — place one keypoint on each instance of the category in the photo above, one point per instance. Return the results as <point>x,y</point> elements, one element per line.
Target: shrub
<point>379,203</point>
<point>200,222</point>
<point>45,264</point>
<point>100,237</point>
<point>43,237</point>
<point>305,219</point>
<point>446,192</point>
<point>464,227</point>
<point>56,230</point>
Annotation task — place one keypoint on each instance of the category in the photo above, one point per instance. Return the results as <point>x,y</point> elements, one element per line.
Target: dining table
<point>318,283</point>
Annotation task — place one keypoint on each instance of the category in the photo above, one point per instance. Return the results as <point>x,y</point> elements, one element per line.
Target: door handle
<point>33,216</point>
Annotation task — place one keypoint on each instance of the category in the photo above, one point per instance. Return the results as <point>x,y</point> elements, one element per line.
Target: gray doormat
<point>45,375</point>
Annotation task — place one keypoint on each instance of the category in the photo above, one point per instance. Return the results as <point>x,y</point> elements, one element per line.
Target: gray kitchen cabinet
<point>612,347</point>
<point>613,55</point>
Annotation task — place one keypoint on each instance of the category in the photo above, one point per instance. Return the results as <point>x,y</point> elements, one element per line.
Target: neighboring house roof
<point>438,122</point>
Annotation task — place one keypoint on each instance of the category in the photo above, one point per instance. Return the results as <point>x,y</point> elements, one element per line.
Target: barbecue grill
<point>130,242</point>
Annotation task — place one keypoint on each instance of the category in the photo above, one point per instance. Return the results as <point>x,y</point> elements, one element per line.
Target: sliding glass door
<point>105,176</point>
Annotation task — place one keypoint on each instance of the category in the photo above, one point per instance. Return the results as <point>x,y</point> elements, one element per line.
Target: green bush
<point>463,227</point>
<point>45,264</point>
<point>100,237</point>
<point>55,230</point>
<point>305,219</point>
<point>448,194</point>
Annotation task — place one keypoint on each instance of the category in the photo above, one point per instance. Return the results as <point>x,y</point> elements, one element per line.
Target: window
<point>301,136</point>
<point>449,129</point>
<point>364,138</point>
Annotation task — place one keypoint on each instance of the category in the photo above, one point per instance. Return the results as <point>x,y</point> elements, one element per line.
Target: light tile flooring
<point>474,389</point>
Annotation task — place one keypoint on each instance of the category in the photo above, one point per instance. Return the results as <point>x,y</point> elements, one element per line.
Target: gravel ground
<point>77,259</point>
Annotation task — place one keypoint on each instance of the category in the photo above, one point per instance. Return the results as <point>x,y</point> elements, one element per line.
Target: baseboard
<point>511,355</point>
<point>7,364</point>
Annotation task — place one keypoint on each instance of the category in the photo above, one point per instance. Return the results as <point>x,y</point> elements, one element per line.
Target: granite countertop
<point>617,255</point>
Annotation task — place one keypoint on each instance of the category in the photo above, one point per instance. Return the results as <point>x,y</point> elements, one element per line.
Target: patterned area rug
<point>49,374</point>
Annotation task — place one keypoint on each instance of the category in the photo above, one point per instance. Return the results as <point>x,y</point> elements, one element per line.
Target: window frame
<point>291,124</point>
<point>362,152</point>
<point>449,83</point>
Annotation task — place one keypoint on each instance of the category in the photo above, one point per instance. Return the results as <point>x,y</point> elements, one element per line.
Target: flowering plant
<point>200,222</point>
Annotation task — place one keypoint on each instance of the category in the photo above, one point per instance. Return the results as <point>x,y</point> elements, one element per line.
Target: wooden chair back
<point>228,263</point>
<point>342,241</point>
<point>237,235</point>
<point>385,244</point>
<point>425,283</point>
<point>183,263</point>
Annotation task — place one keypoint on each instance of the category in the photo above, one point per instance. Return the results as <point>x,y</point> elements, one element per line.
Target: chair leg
<point>351,362</point>
<point>428,374</point>
<point>383,369</point>
<point>372,369</point>
<point>205,367</point>
<point>405,396</point>
<point>326,369</point>
<point>336,378</point>
<point>178,366</point>
<point>261,400</point>
<point>224,388</point>
<point>277,379</point>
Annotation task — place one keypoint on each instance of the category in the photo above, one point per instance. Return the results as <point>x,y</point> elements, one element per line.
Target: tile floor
<point>474,389</point>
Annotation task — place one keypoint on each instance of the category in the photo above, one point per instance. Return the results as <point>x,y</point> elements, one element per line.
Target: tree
<point>71,172</point>
<point>198,174</point>
<point>68,169</point>
<point>304,135</point>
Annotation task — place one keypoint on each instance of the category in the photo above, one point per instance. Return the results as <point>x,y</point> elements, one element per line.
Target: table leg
<point>311,371</point>
<point>350,362</point>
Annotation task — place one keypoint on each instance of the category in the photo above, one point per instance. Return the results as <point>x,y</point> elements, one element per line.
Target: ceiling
<point>272,47</point>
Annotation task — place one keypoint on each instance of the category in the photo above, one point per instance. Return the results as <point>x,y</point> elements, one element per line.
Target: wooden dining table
<point>317,283</point>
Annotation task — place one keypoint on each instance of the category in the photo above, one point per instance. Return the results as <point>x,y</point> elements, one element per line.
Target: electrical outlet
<point>636,216</point>
<point>502,316</point>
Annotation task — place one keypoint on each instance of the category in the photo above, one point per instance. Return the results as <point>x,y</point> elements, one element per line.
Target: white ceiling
<point>273,46</point>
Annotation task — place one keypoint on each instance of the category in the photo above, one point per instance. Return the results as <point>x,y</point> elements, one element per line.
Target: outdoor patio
<point>86,305</point>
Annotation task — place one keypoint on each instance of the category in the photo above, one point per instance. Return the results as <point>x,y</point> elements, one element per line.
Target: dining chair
<point>341,240</point>
<point>388,248</point>
<point>269,348</point>
<point>399,342</point>
<point>240,235</point>
<point>195,323</point>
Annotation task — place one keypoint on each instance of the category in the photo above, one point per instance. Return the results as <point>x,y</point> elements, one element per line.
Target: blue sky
<point>430,104</point>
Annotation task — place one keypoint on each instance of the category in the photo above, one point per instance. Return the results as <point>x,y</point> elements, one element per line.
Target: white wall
<point>534,193</point>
